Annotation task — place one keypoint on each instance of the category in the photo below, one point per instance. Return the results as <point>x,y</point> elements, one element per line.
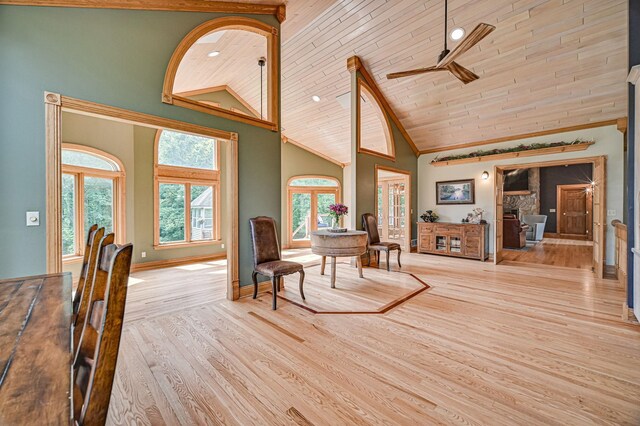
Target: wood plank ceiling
<point>548,64</point>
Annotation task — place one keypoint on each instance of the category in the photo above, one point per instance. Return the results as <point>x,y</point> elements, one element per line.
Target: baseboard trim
<point>566,236</point>
<point>158,264</point>
<point>263,287</point>
<point>628,315</point>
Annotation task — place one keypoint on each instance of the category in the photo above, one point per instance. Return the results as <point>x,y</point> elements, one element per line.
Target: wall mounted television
<point>516,180</point>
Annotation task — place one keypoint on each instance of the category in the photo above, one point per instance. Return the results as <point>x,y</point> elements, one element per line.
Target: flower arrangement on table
<point>336,211</point>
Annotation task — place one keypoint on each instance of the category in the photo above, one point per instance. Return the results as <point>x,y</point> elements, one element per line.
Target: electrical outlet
<point>222,246</point>
<point>33,218</point>
<point>143,254</point>
<point>611,212</point>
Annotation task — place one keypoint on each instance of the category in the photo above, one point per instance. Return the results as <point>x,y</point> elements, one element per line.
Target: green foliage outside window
<point>68,214</point>
<point>98,203</point>
<point>183,150</point>
<point>172,199</point>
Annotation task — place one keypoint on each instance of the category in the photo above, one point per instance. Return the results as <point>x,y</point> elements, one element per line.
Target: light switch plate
<point>611,212</point>
<point>552,210</point>
<point>33,218</point>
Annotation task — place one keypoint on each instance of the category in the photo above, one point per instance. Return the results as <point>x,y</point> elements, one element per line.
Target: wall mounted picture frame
<point>461,191</point>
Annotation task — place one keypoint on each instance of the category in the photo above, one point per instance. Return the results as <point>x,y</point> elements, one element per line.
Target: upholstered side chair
<point>266,256</point>
<point>370,225</point>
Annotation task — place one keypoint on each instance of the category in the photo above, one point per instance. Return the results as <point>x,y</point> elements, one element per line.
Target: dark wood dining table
<point>35,352</point>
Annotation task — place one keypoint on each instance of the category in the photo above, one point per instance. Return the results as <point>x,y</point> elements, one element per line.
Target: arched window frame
<point>119,193</point>
<point>314,190</point>
<point>384,119</point>
<point>273,70</point>
<point>186,176</point>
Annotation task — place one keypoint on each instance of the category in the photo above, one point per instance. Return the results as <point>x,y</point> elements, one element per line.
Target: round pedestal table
<point>338,244</point>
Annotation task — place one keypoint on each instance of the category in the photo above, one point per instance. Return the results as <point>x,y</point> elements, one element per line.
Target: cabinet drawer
<point>425,229</point>
<point>472,230</point>
<point>446,228</point>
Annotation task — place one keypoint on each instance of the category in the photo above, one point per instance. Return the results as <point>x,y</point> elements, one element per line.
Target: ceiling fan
<point>446,60</point>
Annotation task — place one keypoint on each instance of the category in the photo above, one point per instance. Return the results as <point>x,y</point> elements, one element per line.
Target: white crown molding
<point>634,75</point>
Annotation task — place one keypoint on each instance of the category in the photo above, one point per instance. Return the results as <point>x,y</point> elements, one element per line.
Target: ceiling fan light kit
<point>446,59</point>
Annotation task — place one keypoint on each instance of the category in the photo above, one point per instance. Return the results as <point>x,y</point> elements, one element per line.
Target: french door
<point>392,211</point>
<point>308,212</point>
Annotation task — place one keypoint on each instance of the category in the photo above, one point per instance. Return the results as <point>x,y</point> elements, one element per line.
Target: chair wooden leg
<point>399,252</point>
<point>388,259</point>
<point>279,283</point>
<point>274,285</point>
<point>302,284</point>
<point>323,264</point>
<point>368,257</point>
<point>359,265</point>
<point>377,258</point>
<point>254,277</point>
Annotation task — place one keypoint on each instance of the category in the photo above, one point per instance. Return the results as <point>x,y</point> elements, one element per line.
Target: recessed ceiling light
<point>315,98</point>
<point>457,33</point>
<point>213,54</point>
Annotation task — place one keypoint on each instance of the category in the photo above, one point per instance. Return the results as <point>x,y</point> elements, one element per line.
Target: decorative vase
<point>335,223</point>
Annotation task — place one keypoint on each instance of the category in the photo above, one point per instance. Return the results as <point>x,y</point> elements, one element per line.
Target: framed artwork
<point>456,192</point>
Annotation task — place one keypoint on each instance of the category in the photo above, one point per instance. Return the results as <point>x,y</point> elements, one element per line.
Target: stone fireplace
<point>527,202</point>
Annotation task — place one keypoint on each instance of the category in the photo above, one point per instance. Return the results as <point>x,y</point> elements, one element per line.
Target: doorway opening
<point>309,198</point>
<point>552,213</point>
<point>393,206</point>
<point>90,150</point>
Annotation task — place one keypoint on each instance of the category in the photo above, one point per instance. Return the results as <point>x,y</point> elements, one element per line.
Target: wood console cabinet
<point>468,240</point>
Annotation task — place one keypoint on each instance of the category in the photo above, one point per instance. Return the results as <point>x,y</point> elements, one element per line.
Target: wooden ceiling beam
<point>277,10</point>
<point>616,122</point>
<point>354,64</point>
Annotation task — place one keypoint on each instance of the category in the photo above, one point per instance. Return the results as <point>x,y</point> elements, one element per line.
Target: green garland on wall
<point>519,148</point>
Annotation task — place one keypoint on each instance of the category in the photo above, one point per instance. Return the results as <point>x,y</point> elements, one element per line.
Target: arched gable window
<point>375,136</point>
<point>93,188</point>
<point>227,67</point>
<point>186,189</point>
<point>309,198</point>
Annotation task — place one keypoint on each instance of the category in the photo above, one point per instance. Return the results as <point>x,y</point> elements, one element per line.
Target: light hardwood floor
<point>557,252</point>
<point>484,345</point>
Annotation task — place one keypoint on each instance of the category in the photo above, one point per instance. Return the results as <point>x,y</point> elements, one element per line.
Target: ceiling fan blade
<point>464,75</point>
<point>474,37</point>
<point>413,72</point>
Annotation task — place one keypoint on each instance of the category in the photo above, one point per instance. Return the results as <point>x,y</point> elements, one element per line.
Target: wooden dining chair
<point>266,256</point>
<point>88,267</point>
<point>370,224</point>
<point>95,363</point>
<point>80,317</point>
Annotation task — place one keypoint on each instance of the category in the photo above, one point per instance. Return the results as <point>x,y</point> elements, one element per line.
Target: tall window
<point>92,192</point>
<point>309,201</point>
<point>187,189</point>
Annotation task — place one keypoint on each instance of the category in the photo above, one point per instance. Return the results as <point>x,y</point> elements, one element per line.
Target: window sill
<point>187,245</point>
<point>72,259</point>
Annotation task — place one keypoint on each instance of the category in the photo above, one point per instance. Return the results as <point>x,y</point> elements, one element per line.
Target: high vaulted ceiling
<point>549,64</point>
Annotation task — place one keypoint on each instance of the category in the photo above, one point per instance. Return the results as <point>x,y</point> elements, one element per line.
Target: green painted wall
<point>225,99</point>
<point>112,137</point>
<point>114,57</point>
<point>365,194</point>
<point>296,162</point>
